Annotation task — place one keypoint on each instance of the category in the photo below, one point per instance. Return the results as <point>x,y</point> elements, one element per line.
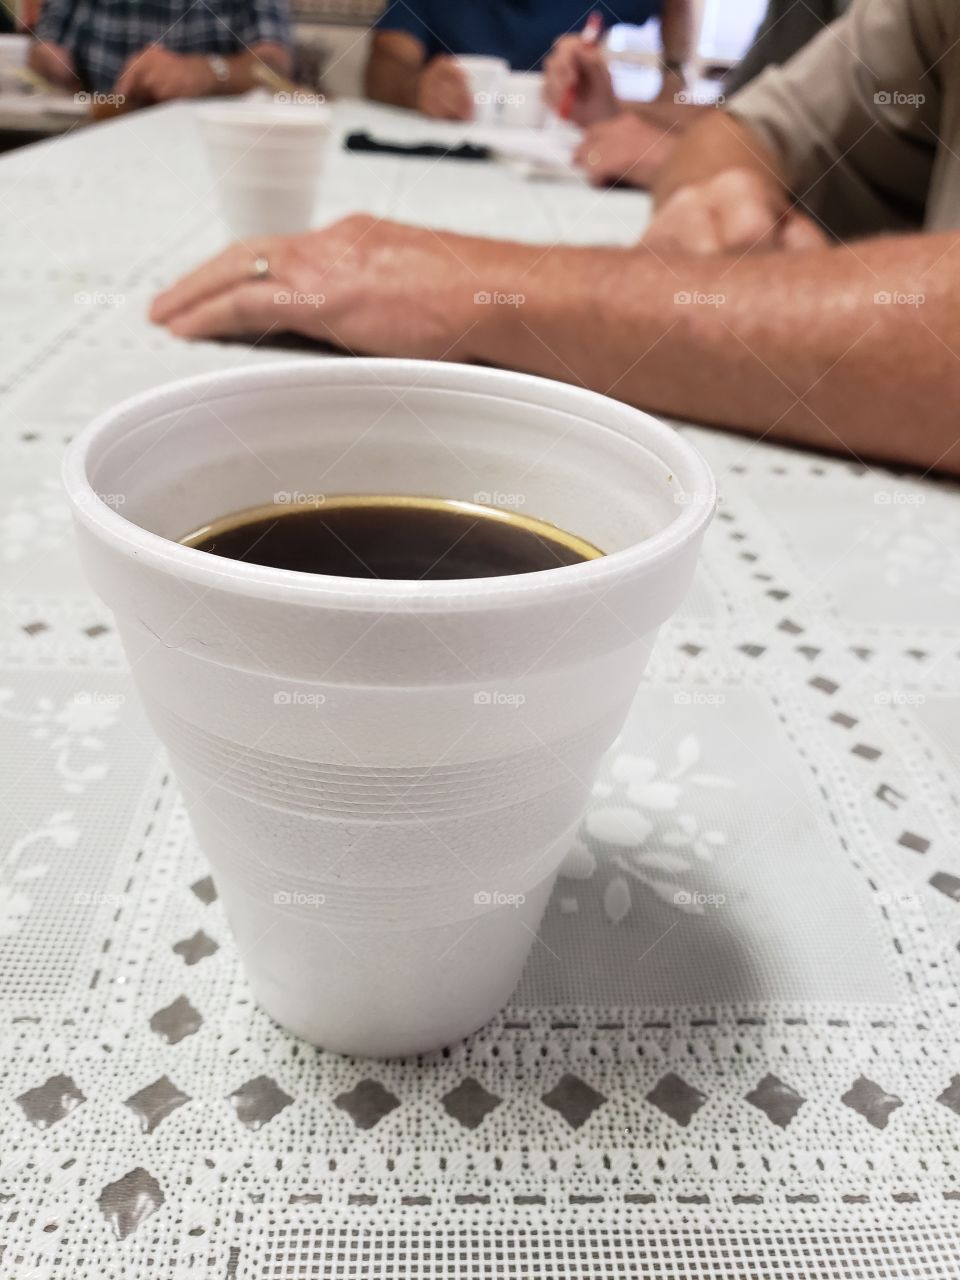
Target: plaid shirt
<point>102,34</point>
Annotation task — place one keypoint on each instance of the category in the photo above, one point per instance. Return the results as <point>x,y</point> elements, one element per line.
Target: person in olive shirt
<point>739,308</point>
<point>412,60</point>
<point>155,50</point>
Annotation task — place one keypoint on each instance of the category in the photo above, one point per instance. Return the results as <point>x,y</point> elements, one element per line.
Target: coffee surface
<point>398,538</point>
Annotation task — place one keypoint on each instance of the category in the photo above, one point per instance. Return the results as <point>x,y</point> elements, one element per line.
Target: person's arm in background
<point>401,72</point>
<point>841,348</point>
<point>49,55</point>
<point>817,141</point>
<point>156,74</point>
<point>622,141</point>
<point>677,41</point>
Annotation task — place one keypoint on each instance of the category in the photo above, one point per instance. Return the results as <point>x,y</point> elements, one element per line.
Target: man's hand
<point>736,211</point>
<point>157,75</point>
<point>574,63</point>
<point>443,91</point>
<point>627,149</point>
<point>54,63</point>
<point>369,286</point>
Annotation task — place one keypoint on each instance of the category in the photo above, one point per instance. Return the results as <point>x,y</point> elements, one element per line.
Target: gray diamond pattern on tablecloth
<point>154,1102</point>
<point>574,1099</point>
<point>951,1095</point>
<point>470,1102</point>
<point>129,1201</point>
<point>205,890</point>
<point>195,948</point>
<point>872,1102</point>
<point>676,1099</point>
<point>776,1100</point>
<point>367,1103</point>
<point>177,1020</point>
<point>258,1101</point>
<point>51,1101</point>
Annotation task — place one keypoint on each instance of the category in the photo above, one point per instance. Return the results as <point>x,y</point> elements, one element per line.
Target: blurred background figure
<point>629,141</point>
<point>412,60</point>
<point>155,50</point>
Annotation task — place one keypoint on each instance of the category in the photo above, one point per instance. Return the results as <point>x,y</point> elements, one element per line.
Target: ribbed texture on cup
<point>366,793</point>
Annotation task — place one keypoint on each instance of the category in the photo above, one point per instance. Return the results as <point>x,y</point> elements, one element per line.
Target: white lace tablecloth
<point>734,1052</point>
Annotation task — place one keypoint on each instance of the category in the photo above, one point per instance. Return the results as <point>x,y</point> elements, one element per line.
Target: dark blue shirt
<point>522,31</point>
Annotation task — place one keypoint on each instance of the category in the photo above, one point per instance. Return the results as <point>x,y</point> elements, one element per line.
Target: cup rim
<point>292,586</point>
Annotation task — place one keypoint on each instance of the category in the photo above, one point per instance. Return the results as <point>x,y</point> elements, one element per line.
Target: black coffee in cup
<point>392,537</point>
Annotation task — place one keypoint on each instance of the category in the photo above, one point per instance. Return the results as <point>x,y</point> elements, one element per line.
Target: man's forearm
<point>253,67</point>
<point>677,31</point>
<point>799,347</point>
<point>718,141</point>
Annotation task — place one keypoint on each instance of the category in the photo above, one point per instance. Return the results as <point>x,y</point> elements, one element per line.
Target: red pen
<point>590,34</point>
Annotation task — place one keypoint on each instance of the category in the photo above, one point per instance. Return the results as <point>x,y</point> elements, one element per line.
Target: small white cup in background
<point>485,81</point>
<point>521,100</point>
<point>385,776</point>
<point>266,159</point>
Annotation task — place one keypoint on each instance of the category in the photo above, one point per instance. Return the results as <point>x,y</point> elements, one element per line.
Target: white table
<point>753,1073</point>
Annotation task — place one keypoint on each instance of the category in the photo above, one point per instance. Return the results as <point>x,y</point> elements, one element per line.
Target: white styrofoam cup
<point>485,79</point>
<point>385,775</point>
<point>266,160</point>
